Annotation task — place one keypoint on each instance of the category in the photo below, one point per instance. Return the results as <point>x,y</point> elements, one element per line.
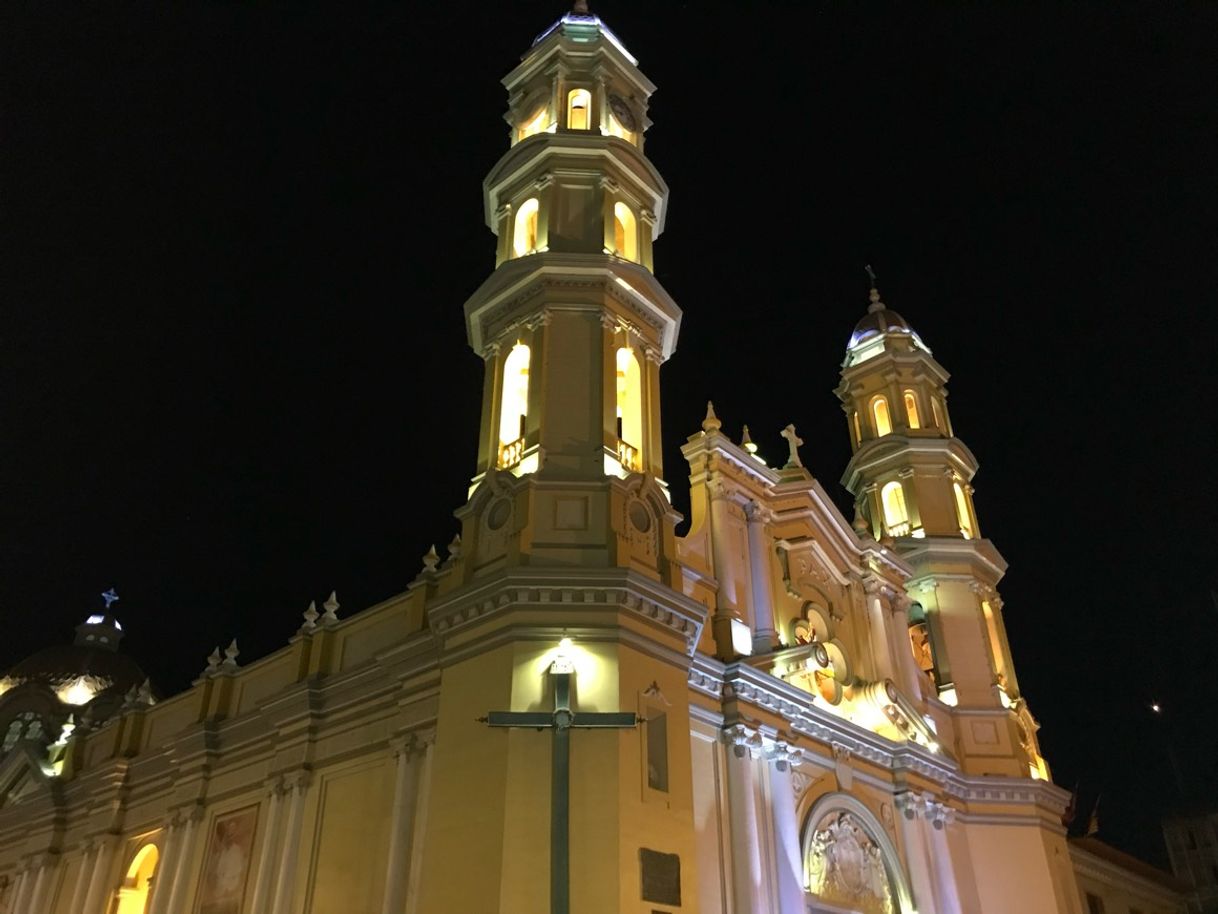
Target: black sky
<point>235,239</point>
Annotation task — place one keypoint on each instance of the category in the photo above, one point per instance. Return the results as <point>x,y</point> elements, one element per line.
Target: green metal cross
<point>561,721</point>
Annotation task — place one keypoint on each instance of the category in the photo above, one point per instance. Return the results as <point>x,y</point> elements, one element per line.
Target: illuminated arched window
<point>26,725</point>
<point>137,884</point>
<point>524,239</point>
<point>879,412</point>
<point>629,408</point>
<point>963,515</point>
<point>513,405</point>
<point>579,108</point>
<point>625,232</point>
<point>536,124</point>
<point>911,409</point>
<point>896,518</point>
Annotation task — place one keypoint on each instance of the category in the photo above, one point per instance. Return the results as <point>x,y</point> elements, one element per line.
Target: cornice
<point>562,590</point>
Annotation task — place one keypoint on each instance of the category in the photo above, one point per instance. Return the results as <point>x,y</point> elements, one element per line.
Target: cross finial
<point>876,304</point>
<point>793,443</point>
<point>110,597</point>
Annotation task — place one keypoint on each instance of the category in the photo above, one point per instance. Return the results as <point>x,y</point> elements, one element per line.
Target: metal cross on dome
<point>110,597</point>
<point>561,721</point>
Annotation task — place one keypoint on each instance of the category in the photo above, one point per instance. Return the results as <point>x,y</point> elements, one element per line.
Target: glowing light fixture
<point>79,691</point>
<point>563,662</point>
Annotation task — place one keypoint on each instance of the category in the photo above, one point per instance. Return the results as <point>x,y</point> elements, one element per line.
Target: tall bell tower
<point>563,596</point>
<point>912,482</point>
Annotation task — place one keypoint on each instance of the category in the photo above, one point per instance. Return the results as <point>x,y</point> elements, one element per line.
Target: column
<point>266,855</point>
<point>25,887</point>
<point>935,821</point>
<point>285,885</point>
<point>748,884</point>
<point>419,828</point>
<point>787,846</point>
<point>917,854</point>
<point>408,753</point>
<point>181,865</point>
<point>911,676</point>
<point>765,639</point>
<point>881,631</point>
<point>164,869</point>
<point>38,900</point>
<point>100,879</point>
<point>87,863</point>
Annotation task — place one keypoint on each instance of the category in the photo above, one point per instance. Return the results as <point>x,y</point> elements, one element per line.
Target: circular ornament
<point>499,513</point>
<point>621,110</point>
<point>640,517</point>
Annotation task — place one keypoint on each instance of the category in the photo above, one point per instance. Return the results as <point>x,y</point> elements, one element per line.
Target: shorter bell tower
<point>911,478</point>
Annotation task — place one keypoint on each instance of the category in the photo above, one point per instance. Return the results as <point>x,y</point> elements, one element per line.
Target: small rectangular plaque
<point>661,877</point>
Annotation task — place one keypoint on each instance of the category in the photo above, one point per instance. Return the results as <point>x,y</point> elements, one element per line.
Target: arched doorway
<point>137,883</point>
<point>850,862</point>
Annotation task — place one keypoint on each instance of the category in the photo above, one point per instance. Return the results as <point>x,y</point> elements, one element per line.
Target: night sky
<point>235,239</point>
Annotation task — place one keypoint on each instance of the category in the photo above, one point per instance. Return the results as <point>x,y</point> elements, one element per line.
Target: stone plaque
<point>661,877</point>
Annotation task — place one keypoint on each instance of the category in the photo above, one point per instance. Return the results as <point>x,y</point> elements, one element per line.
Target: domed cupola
<point>89,676</point>
<point>879,326</point>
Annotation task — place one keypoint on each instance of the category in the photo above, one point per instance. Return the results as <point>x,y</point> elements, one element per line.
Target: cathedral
<point>572,708</point>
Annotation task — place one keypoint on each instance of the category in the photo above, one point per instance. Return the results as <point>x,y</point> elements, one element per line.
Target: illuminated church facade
<point>575,709</point>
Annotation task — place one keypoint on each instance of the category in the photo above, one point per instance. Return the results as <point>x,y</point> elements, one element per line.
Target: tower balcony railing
<point>511,453</point>
<point>901,529</point>
<point>628,456</point>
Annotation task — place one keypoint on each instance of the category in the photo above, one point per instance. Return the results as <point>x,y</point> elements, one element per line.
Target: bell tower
<point>572,324</point>
<point>911,478</point>
<point>561,603</point>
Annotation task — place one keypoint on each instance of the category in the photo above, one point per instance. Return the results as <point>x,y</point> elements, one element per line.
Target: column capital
<point>757,513</point>
<point>744,741</point>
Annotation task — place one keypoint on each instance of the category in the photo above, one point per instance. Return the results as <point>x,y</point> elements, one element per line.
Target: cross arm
<point>536,719</point>
<point>606,719</point>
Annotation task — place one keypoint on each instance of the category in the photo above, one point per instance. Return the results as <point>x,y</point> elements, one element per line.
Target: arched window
<point>629,408</point>
<point>896,518</point>
<point>26,725</point>
<point>879,412</point>
<point>963,515</point>
<point>911,409</point>
<point>625,232</point>
<point>524,240</point>
<point>137,884</point>
<point>579,106</point>
<point>513,405</point>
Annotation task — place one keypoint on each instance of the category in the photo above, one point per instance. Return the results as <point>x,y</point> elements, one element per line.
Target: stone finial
<point>310,617</point>
<point>431,560</point>
<point>144,695</point>
<point>876,304</point>
<point>860,524</point>
<point>454,548</point>
<point>131,699</point>
<point>793,443</point>
<point>746,442</point>
<point>330,616</point>
<point>711,423</point>
<point>213,663</point>
<point>230,656</point>
<point>580,8</point>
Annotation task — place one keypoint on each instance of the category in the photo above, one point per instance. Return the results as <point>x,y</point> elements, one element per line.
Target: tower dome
<point>880,322</point>
<point>89,675</point>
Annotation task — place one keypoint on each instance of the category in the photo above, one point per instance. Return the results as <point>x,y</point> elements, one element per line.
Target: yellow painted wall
<point>350,829</point>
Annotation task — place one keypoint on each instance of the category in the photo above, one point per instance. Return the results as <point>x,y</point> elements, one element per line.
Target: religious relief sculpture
<point>846,867</point>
